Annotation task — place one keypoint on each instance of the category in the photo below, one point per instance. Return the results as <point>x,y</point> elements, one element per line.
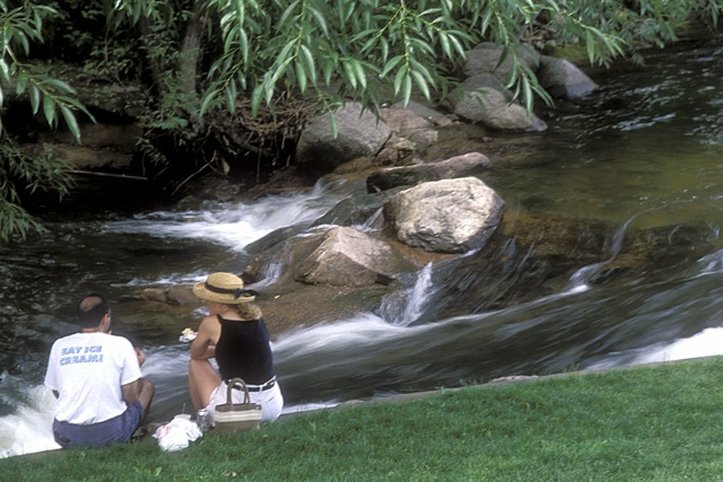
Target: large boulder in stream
<point>348,257</point>
<point>359,133</point>
<point>488,57</point>
<point>562,78</point>
<point>449,216</point>
<point>482,99</point>
<point>326,274</point>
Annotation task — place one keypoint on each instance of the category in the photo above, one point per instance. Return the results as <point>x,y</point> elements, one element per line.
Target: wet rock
<point>174,295</point>
<point>420,131</point>
<point>451,215</point>
<point>355,210</point>
<point>562,78</point>
<point>458,166</point>
<point>348,257</point>
<point>211,187</point>
<point>481,100</point>
<point>181,295</point>
<point>154,294</point>
<point>398,150</point>
<point>405,121</point>
<point>485,58</point>
<point>433,115</point>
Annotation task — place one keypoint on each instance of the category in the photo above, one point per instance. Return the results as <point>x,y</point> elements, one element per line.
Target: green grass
<point>655,423</point>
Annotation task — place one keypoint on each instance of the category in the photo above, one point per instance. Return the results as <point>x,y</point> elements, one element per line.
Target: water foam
<point>29,429</point>
<point>708,342</point>
<point>231,225</point>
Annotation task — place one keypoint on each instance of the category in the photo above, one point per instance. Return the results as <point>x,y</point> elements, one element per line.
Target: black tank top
<point>243,351</point>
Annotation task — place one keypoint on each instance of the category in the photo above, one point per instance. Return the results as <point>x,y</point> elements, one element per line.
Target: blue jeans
<point>116,429</point>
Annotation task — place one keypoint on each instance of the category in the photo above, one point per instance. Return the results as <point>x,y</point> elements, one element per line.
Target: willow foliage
<point>373,51</point>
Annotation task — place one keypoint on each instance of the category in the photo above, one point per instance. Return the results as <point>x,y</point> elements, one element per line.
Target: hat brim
<point>200,291</point>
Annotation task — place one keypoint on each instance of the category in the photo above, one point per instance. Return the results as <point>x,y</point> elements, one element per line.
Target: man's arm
<point>141,390</point>
<point>131,391</point>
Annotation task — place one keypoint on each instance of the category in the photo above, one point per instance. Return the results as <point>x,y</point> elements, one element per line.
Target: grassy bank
<point>661,423</point>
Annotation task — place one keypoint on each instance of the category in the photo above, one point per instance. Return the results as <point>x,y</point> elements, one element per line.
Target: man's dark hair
<point>91,310</point>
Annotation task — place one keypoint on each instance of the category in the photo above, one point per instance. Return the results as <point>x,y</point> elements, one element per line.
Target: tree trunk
<point>191,50</point>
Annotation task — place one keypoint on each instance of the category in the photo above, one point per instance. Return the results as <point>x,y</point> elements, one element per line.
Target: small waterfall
<point>579,281</point>
<point>272,272</point>
<point>712,263</point>
<point>374,222</point>
<point>403,309</point>
<point>28,429</point>
<point>232,225</point>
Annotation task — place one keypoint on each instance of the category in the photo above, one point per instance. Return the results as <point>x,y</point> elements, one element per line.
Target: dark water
<point>645,153</point>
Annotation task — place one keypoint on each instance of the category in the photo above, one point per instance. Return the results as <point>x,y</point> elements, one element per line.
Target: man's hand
<point>141,356</point>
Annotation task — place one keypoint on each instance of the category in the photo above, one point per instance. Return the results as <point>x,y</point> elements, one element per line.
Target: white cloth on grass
<point>177,434</point>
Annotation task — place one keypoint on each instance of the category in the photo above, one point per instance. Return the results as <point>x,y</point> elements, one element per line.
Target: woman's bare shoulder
<point>208,322</point>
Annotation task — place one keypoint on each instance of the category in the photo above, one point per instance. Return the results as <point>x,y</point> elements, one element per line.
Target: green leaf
<point>287,13</point>
<point>328,69</point>
<point>350,75</point>
<point>421,83</point>
<point>208,99</point>
<point>320,20</point>
<point>391,65</point>
<point>21,82</point>
<point>419,67</point>
<point>23,39</point>
<point>34,98</point>
<point>49,110</point>
<point>407,89</point>
<point>256,98</point>
<point>398,78</point>
<point>333,126</point>
<point>231,93</point>
<point>444,42</point>
<point>309,64</point>
<point>60,86</point>
<point>269,88</point>
<point>590,46</point>
<point>71,121</point>
<point>4,70</point>
<point>527,94</point>
<point>457,45</point>
<point>359,71</point>
<point>300,76</point>
<point>244,44</point>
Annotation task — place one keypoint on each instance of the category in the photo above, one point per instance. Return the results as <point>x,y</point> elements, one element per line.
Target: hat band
<point>236,292</point>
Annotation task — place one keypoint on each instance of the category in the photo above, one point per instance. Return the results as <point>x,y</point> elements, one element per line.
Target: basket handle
<point>229,386</point>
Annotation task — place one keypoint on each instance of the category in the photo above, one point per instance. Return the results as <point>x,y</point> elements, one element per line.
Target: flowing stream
<point>645,152</point>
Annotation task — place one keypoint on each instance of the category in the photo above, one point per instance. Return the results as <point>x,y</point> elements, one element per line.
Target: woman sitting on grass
<point>236,335</point>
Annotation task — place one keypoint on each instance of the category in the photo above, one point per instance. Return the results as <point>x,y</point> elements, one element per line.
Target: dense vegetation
<point>223,77</point>
<point>647,423</point>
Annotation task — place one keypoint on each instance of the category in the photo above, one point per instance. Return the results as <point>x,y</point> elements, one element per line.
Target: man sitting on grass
<point>96,376</point>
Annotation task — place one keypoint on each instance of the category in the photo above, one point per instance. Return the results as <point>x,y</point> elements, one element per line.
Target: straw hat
<point>225,288</point>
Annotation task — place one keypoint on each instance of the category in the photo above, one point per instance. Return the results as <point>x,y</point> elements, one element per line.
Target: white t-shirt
<point>87,370</point>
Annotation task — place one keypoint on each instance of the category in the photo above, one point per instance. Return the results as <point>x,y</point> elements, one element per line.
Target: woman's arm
<point>203,346</point>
